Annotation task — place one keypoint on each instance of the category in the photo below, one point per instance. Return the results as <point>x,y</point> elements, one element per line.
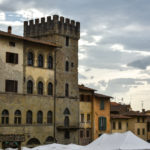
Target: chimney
<point>9,29</point>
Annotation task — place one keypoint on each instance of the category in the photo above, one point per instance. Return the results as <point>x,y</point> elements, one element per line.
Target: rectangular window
<point>67,134</point>
<point>82,118</point>
<point>11,86</point>
<point>12,43</point>
<point>88,118</point>
<point>143,119</point>
<point>102,105</point>
<point>81,134</point>
<point>143,131</point>
<point>102,123</point>
<point>81,97</point>
<point>88,98</point>
<point>138,131</point>
<point>138,119</point>
<point>119,125</point>
<point>67,41</point>
<point>87,133</point>
<point>114,125</point>
<point>11,58</point>
<point>148,126</point>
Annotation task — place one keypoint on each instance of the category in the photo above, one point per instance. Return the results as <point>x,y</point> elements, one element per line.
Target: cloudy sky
<point>114,49</point>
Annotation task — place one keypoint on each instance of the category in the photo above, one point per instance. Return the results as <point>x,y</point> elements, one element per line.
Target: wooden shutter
<point>99,122</point>
<point>105,123</point>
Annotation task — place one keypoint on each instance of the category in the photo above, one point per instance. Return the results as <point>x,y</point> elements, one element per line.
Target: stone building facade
<point>39,83</point>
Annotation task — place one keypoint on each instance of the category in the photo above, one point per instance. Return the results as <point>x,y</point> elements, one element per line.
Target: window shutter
<point>105,123</point>
<point>99,121</point>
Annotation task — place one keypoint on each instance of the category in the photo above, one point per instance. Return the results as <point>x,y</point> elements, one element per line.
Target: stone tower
<point>65,33</point>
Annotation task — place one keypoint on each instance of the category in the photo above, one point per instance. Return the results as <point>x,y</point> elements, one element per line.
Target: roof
<point>135,113</point>
<point>2,33</point>
<point>119,116</point>
<point>82,87</point>
<point>101,95</point>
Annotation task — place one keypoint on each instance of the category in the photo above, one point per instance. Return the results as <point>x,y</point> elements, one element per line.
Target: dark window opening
<point>30,59</point>
<point>143,131</point>
<point>50,89</point>
<point>88,118</point>
<point>67,66</point>
<point>72,64</point>
<point>81,134</point>
<point>49,117</point>
<point>87,133</point>
<point>138,131</point>
<point>40,117</point>
<point>67,41</point>
<point>138,119</point>
<point>81,97</point>
<point>29,117</point>
<point>82,118</point>
<point>102,105</point>
<point>5,117</point>
<point>50,62</point>
<point>119,125</point>
<point>11,86</point>
<point>114,125</point>
<point>11,58</point>
<point>66,112</point>
<point>143,119</point>
<point>66,121</point>
<point>66,89</point>
<point>67,134</point>
<point>88,98</point>
<point>17,119</point>
<point>12,44</point>
<point>40,61</point>
<point>40,88</point>
<point>30,87</point>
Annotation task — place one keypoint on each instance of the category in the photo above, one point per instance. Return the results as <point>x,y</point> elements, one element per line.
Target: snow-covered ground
<point>116,141</point>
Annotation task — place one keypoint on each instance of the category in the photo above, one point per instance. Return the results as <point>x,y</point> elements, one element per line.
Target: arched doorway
<point>49,140</point>
<point>33,142</point>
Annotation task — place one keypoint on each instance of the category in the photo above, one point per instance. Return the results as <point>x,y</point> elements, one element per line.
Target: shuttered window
<point>11,86</point>
<point>102,123</point>
<point>11,58</point>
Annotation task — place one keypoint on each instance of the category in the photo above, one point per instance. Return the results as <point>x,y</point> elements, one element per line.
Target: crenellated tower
<point>65,33</point>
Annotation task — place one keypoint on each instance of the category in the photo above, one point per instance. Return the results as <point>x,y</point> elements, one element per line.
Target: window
<point>66,89</point>
<point>40,88</point>
<point>30,59</point>
<point>11,58</point>
<point>5,117</point>
<point>29,117</point>
<point>11,86</point>
<point>40,61</point>
<point>67,134</point>
<point>50,62</point>
<point>82,118</point>
<point>88,98</point>
<point>143,131</point>
<point>81,97</point>
<point>148,126</point>
<point>66,121</point>
<point>17,119</point>
<point>138,119</point>
<point>67,66</point>
<point>88,118</point>
<point>102,123</point>
<point>12,43</point>
<point>49,117</point>
<point>40,117</point>
<point>29,87</point>
<point>127,125</point>
<point>67,41</point>
<point>102,104</point>
<point>66,112</point>
<point>138,131</point>
<point>87,133</point>
<point>72,64</point>
<point>119,125</point>
<point>50,89</point>
<point>81,134</point>
<point>143,119</point>
<point>114,125</point>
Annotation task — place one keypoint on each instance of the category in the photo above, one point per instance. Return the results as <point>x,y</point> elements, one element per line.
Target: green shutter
<point>99,123</point>
<point>105,123</point>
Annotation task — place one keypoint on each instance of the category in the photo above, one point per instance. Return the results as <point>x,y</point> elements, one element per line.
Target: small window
<point>17,119</point>
<point>29,117</point>
<point>11,58</point>
<point>88,118</point>
<point>81,134</point>
<point>40,61</point>
<point>40,88</point>
<point>138,119</point>
<point>119,125</point>
<point>49,117</point>
<point>143,131</point>
<point>102,105</point>
<point>11,86</point>
<point>82,118</point>
<point>5,117</point>
<point>72,64</point>
<point>40,117</point>
<point>30,59</point>
<point>143,119</point>
<point>138,131</point>
<point>114,125</point>
<point>102,123</point>
<point>67,134</point>
<point>67,41</point>
<point>81,97</point>
<point>67,66</point>
<point>50,89</point>
<point>66,89</point>
<point>88,98</point>
<point>12,43</point>
<point>50,62</point>
<point>29,87</point>
<point>87,133</point>
<point>66,121</point>
<point>66,112</point>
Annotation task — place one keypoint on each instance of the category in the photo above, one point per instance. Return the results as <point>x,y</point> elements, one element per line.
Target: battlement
<point>55,25</point>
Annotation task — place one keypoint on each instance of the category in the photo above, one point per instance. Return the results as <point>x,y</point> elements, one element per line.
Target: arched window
<point>29,87</point>
<point>40,88</point>
<point>49,140</point>
<point>40,117</point>
<point>67,66</point>
<point>40,61</point>
<point>33,142</point>
<point>66,112</point>
<point>50,62</point>
<point>50,89</point>
<point>49,117</point>
<point>17,119</point>
<point>5,117</point>
<point>30,59</point>
<point>29,117</point>
<point>66,89</point>
<point>66,121</point>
